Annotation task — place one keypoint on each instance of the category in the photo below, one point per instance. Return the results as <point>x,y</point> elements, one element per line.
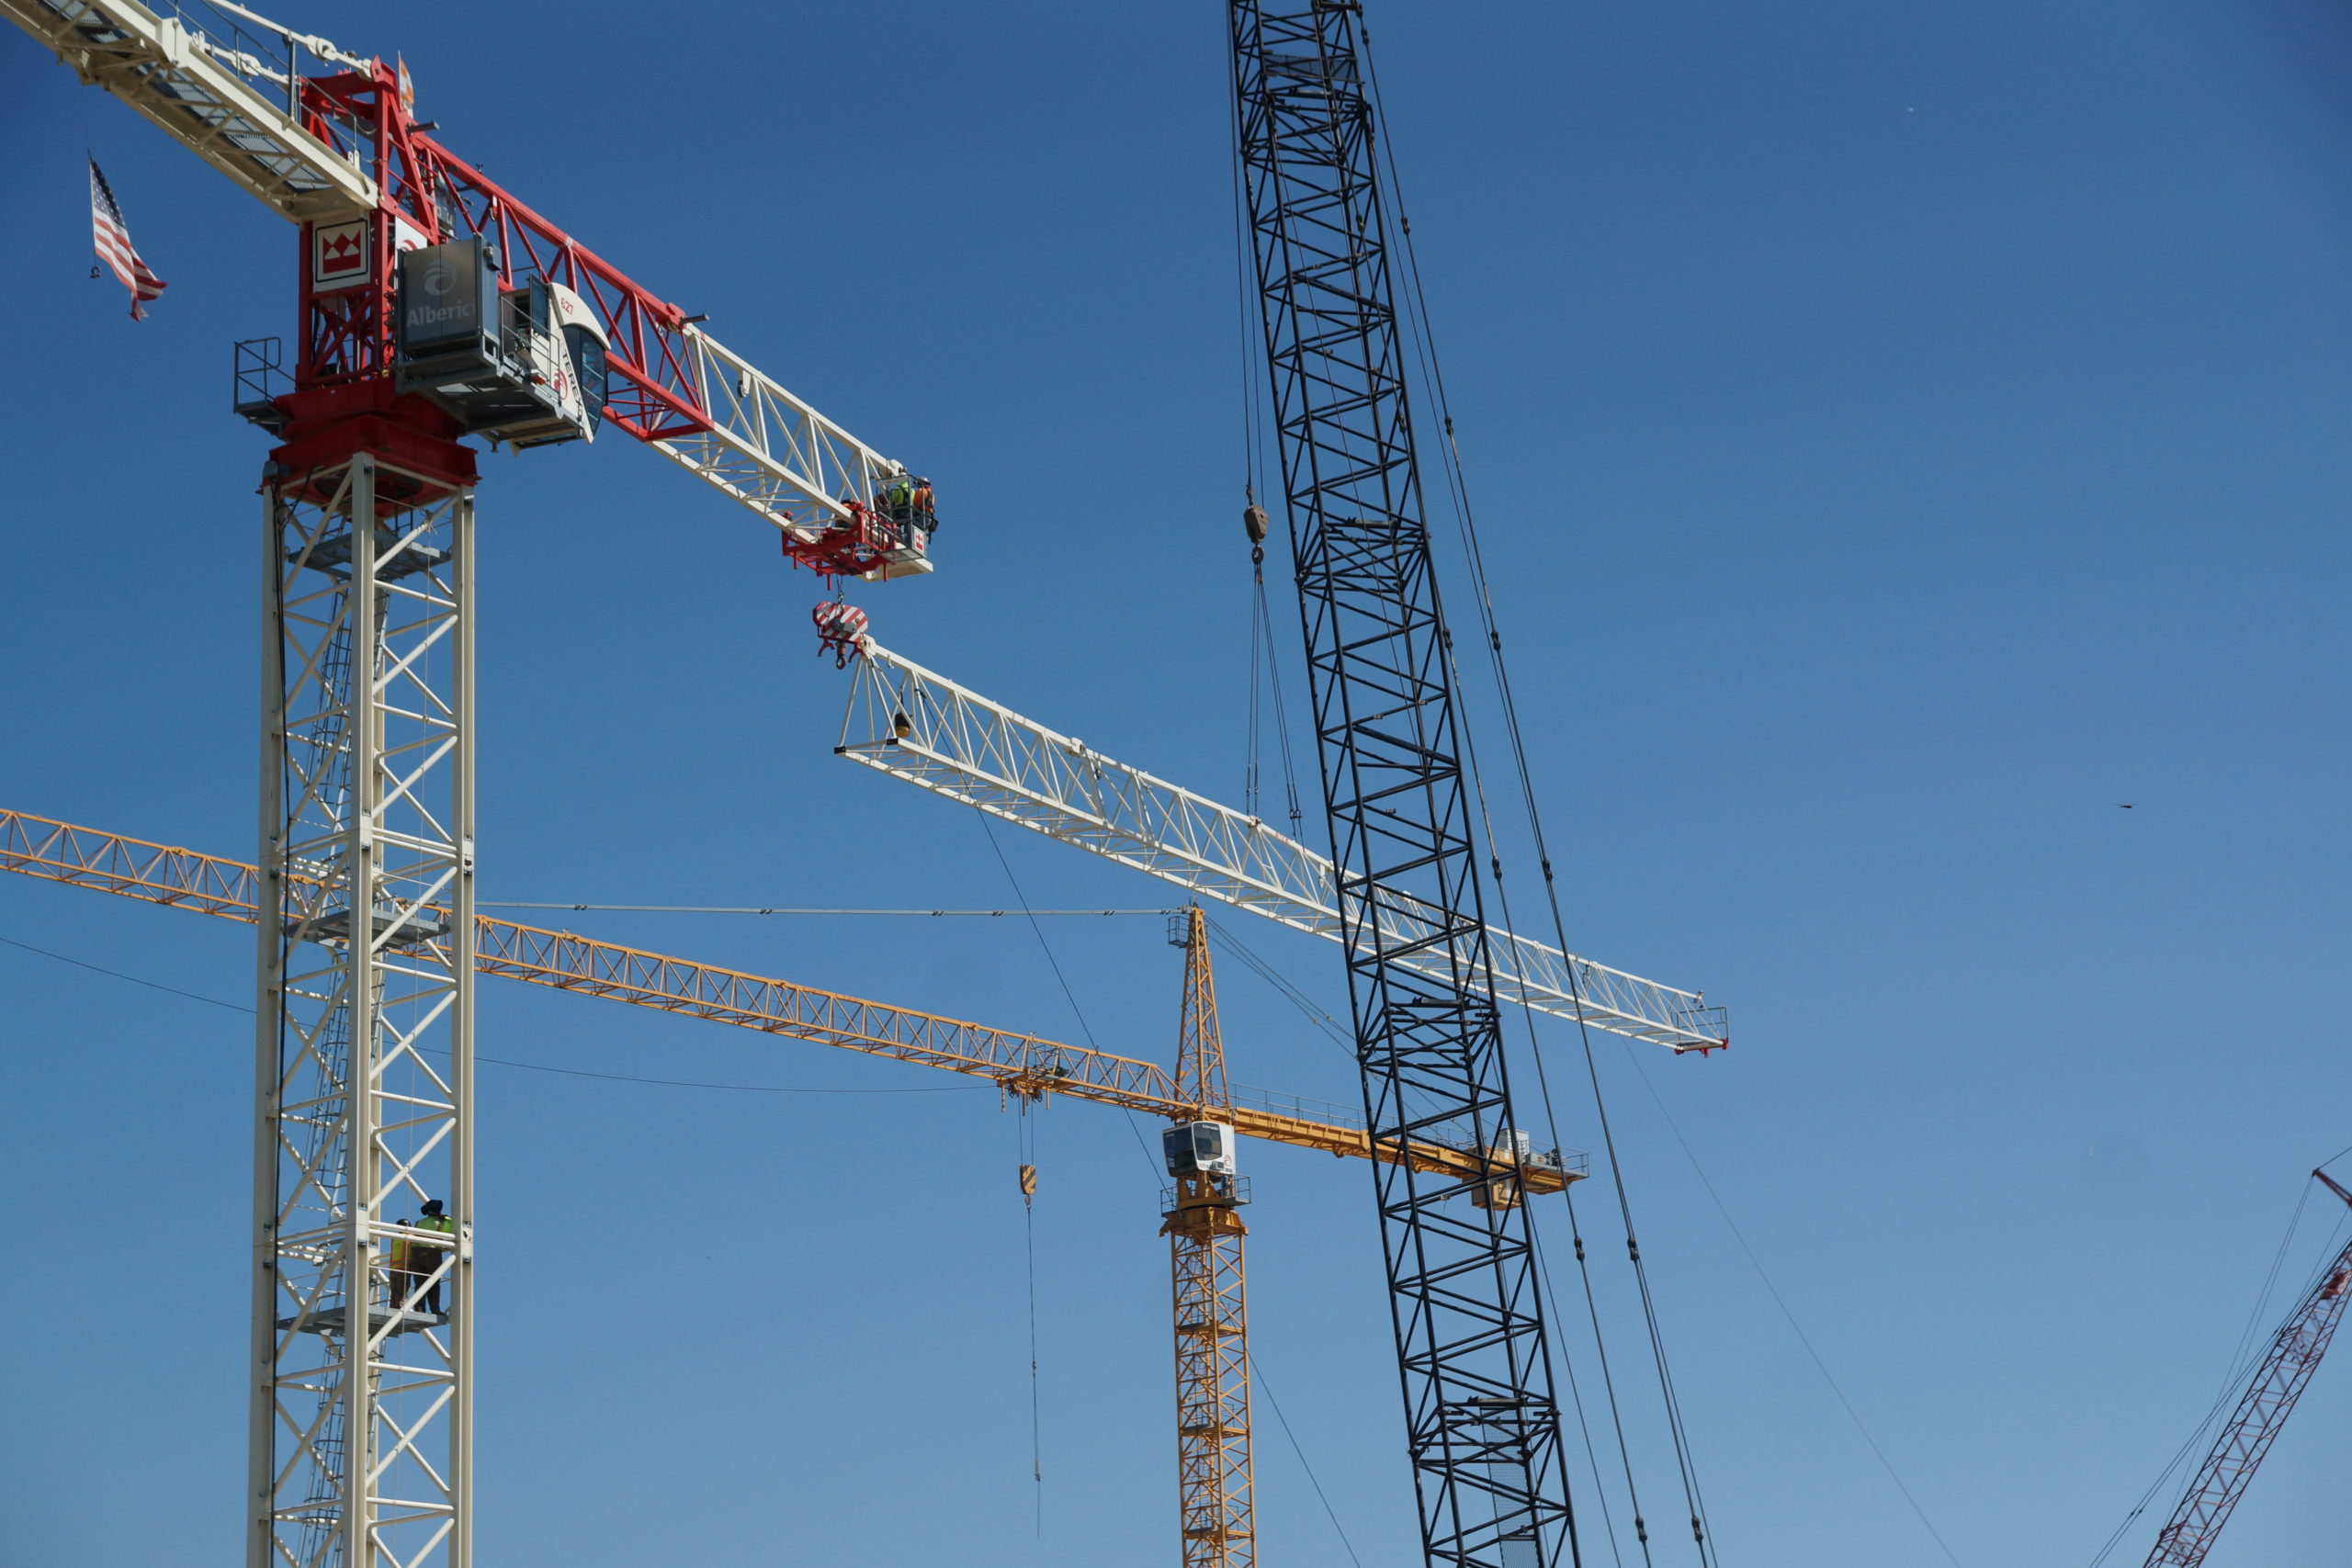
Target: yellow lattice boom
<point>1021,1064</point>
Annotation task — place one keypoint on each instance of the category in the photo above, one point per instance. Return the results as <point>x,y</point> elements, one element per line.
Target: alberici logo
<point>440,276</point>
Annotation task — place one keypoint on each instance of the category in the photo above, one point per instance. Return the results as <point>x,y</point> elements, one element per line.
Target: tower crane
<point>1205,1233</point>
<point>2278,1381</point>
<point>433,305</point>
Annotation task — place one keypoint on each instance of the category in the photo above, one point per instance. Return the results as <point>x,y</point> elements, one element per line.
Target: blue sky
<point>1906,434</point>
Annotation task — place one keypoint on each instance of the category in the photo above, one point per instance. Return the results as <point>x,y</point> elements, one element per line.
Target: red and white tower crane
<point>433,307</point>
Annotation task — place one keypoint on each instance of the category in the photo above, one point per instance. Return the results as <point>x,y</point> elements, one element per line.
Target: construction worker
<point>399,1258</point>
<point>901,507</point>
<point>426,1262</point>
<point>923,518</point>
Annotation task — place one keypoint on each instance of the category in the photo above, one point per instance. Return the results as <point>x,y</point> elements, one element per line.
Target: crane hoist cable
<point>1420,330</point>
<point>1266,671</point>
<point>1024,1138</point>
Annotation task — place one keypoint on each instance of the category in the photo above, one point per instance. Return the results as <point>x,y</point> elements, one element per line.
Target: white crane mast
<point>918,725</point>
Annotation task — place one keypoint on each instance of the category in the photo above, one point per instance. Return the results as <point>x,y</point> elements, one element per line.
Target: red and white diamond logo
<point>340,253</point>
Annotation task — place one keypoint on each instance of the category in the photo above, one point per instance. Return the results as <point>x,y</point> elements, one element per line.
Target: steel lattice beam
<point>918,725</point>
<point>2260,1415</point>
<point>1023,1063</point>
<point>362,1410</point>
<point>1483,1425</point>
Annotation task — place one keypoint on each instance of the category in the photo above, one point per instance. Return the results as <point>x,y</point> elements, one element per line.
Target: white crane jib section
<point>222,88</point>
<point>913,724</point>
<point>774,452</point>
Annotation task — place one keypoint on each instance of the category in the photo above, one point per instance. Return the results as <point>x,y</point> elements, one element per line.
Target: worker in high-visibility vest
<point>426,1261</point>
<point>397,1259</point>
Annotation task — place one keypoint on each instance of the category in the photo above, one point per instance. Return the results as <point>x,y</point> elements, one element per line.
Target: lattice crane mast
<point>1205,1230</point>
<point>1483,1425</point>
<point>2260,1414</point>
<point>433,307</point>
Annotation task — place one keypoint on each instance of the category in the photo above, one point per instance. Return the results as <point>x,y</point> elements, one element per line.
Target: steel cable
<point>1418,329</point>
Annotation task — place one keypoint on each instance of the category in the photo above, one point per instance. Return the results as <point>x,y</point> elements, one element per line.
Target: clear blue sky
<point>1906,432</point>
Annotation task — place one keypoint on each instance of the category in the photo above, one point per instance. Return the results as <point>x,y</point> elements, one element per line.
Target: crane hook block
<point>841,629</point>
<point>1253,519</point>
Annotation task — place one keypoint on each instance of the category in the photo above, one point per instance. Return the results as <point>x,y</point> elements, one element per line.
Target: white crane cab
<point>1200,1148</point>
<point>523,365</point>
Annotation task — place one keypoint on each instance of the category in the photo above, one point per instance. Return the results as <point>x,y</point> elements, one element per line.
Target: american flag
<point>113,239</point>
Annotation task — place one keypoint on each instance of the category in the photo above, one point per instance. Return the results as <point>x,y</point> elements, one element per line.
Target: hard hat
<point>431,1206</point>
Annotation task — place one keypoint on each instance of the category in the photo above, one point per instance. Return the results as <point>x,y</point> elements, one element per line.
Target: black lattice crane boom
<point>1484,1427</point>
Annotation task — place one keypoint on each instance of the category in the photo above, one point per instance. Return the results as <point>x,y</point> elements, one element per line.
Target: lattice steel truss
<point>917,725</point>
<point>1204,1239</point>
<point>2278,1381</point>
<point>361,1407</point>
<point>1483,1425</point>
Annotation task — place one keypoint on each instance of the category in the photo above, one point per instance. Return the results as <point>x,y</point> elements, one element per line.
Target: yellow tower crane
<point>1205,1244</point>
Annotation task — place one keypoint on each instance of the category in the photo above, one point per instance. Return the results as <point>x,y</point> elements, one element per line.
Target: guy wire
<point>1418,324</point>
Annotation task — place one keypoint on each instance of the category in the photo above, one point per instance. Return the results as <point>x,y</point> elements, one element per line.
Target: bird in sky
<point>2122,806</point>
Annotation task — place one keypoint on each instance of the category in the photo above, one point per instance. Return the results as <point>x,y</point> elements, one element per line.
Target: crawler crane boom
<point>2261,1413</point>
<point>1482,1421</point>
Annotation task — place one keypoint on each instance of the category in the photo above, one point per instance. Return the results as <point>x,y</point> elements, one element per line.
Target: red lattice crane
<point>2262,1410</point>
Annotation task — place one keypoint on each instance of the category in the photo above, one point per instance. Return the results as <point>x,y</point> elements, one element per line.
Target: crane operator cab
<point>1200,1148</point>
<point>523,365</point>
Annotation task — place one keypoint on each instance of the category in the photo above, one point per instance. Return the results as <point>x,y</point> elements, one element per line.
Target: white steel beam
<point>201,76</point>
<point>916,725</point>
